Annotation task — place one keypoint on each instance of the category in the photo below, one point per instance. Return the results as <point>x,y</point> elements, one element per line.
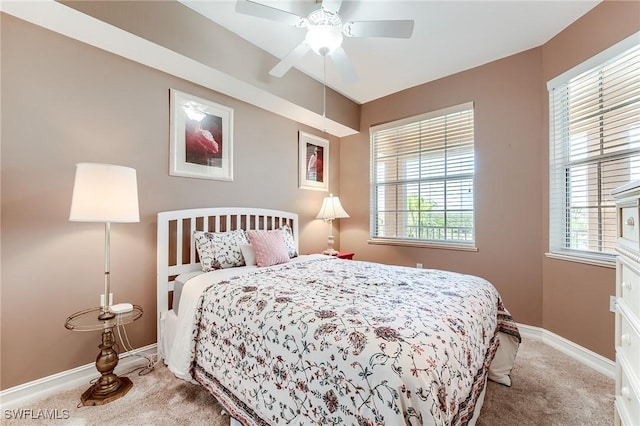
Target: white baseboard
<point>18,396</point>
<point>70,379</point>
<point>575,351</point>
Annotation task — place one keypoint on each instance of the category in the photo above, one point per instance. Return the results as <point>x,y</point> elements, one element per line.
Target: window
<point>594,147</point>
<point>422,175</point>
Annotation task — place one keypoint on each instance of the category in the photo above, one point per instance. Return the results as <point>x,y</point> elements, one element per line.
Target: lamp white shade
<point>331,209</point>
<point>104,193</point>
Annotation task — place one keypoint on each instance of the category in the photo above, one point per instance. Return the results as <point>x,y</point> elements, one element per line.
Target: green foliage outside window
<point>426,221</point>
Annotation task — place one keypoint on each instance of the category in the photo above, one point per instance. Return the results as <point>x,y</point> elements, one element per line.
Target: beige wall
<point>576,296</point>
<point>511,141</point>
<point>64,102</point>
<point>508,185</point>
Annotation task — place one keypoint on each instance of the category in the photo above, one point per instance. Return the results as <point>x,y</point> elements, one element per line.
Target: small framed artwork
<point>313,163</point>
<point>201,138</point>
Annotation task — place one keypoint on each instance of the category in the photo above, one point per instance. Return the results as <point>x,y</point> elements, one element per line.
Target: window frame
<point>467,245</point>
<point>559,179</point>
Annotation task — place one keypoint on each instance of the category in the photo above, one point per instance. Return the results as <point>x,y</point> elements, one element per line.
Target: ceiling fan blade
<point>288,61</point>
<point>331,6</point>
<point>343,63</point>
<point>259,10</point>
<point>392,29</point>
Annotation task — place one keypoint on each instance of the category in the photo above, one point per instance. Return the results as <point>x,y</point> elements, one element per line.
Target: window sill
<point>593,261</point>
<point>405,243</point>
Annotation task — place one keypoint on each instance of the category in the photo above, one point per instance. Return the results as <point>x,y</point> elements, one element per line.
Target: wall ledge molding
<point>19,396</point>
<point>579,353</point>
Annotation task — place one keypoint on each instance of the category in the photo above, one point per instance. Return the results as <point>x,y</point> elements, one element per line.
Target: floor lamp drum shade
<point>104,193</point>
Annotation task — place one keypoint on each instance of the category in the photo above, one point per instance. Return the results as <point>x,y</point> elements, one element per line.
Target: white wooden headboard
<point>176,247</point>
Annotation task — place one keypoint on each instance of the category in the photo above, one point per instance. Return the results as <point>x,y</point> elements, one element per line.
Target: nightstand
<point>345,255</point>
<point>109,386</point>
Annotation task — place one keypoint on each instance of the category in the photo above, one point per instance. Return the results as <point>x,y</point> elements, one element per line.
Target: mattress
<point>178,285</point>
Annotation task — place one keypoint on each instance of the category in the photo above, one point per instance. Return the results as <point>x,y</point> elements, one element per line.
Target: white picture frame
<point>201,143</point>
<point>313,162</point>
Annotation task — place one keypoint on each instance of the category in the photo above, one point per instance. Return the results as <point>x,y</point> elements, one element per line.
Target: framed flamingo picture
<point>313,164</point>
<point>201,138</point>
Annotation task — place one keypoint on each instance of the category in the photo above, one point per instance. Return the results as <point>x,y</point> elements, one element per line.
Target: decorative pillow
<point>219,250</point>
<point>205,250</point>
<point>249,254</point>
<point>269,247</point>
<point>287,235</point>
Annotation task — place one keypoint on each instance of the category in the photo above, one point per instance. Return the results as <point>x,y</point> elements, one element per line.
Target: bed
<point>313,339</point>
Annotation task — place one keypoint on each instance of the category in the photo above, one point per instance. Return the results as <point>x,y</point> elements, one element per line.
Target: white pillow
<point>249,254</point>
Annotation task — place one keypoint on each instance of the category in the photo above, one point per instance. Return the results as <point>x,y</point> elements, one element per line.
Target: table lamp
<point>108,194</point>
<point>331,209</point>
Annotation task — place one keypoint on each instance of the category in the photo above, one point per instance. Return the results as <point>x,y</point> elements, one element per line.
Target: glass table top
<point>88,320</point>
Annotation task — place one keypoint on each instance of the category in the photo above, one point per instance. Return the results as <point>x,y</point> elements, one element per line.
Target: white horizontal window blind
<point>422,177</point>
<point>594,148</point>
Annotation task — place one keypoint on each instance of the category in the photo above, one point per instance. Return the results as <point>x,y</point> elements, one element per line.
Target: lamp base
<point>331,252</point>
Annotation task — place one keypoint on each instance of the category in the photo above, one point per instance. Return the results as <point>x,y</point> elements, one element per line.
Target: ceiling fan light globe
<point>323,39</point>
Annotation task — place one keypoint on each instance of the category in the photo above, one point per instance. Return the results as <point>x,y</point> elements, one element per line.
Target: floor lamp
<point>331,209</point>
<point>108,194</point>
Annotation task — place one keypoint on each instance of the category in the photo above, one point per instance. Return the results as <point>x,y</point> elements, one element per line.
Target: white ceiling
<point>449,37</point>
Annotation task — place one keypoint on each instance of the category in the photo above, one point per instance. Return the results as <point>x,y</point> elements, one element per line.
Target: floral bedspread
<point>342,342</point>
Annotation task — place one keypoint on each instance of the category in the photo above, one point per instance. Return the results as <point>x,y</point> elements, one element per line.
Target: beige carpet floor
<point>549,388</point>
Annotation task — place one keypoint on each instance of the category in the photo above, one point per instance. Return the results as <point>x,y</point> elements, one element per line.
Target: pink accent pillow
<point>269,247</point>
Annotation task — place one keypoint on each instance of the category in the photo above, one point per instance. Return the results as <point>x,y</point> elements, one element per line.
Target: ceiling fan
<point>325,30</point>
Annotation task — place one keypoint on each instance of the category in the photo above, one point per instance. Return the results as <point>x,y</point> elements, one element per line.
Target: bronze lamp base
<point>93,395</point>
<point>109,386</point>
